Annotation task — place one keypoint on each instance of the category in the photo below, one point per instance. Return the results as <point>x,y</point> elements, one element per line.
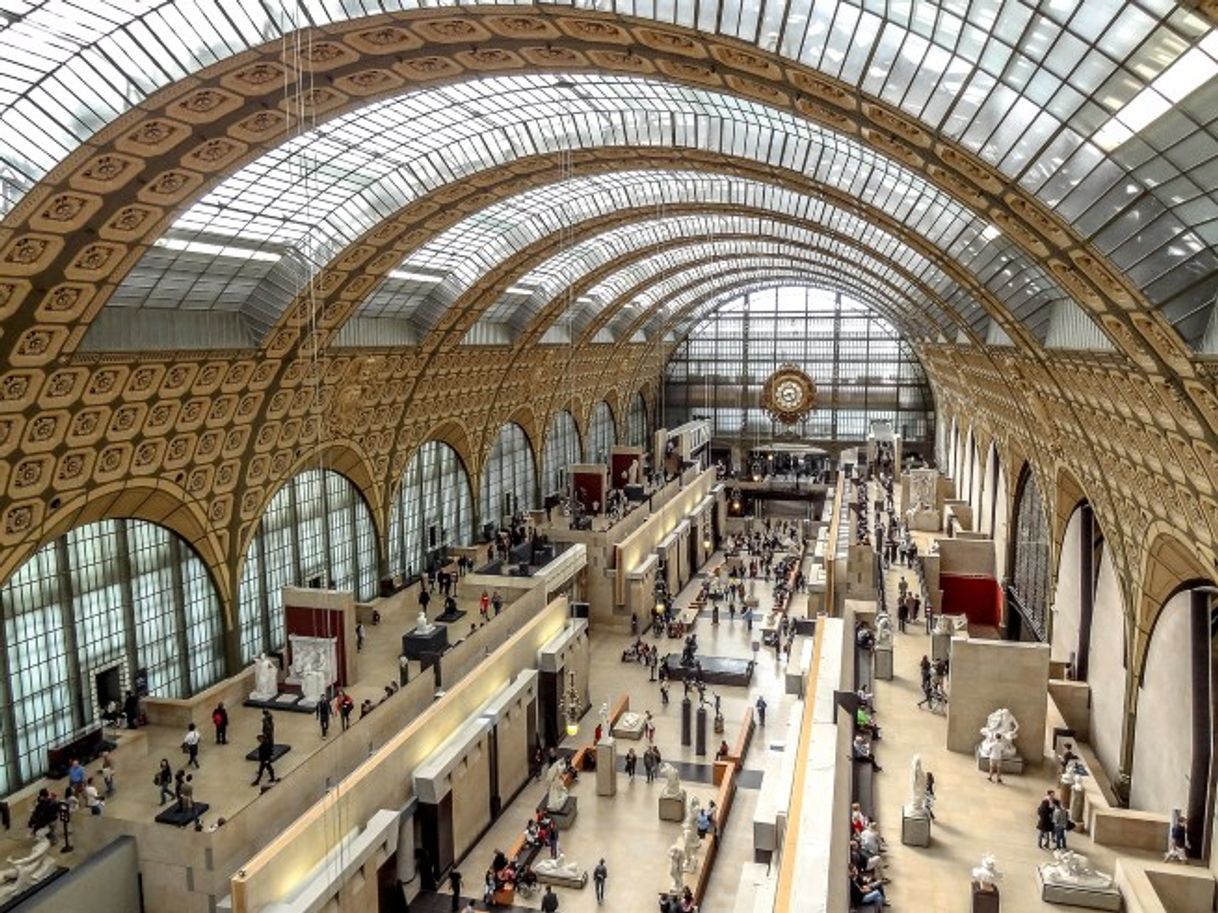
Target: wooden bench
<point>578,761</point>
<point>863,791</point>
<point>710,844</point>
<point>744,738</point>
<point>622,705</point>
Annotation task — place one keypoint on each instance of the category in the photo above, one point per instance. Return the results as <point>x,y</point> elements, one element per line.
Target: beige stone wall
<point>989,674</point>
<point>471,790</point>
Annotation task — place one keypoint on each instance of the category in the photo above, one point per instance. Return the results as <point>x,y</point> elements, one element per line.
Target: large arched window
<point>863,369</point>
<point>84,615</point>
<point>1030,573</point>
<point>636,422</point>
<point>509,478</point>
<point>432,510</point>
<point>601,434</point>
<point>317,528</point>
<point>560,451</point>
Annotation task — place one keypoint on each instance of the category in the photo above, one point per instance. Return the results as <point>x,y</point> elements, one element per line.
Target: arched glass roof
<point>737,237</point>
<point>307,199</point>
<point>1106,111</point>
<point>547,282</point>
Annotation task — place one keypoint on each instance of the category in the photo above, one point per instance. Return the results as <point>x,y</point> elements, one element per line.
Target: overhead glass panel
<point>300,204</point>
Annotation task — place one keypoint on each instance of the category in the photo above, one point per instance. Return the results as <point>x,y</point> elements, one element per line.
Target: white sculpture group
<point>560,868</point>
<point>690,840</point>
<point>1075,870</point>
<point>422,625</point>
<point>29,869</point>
<point>314,665</point>
<point>999,731</point>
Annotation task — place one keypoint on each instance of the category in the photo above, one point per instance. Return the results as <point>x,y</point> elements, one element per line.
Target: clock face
<point>788,395</point>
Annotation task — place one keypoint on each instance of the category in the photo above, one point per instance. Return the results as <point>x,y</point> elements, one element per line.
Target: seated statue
<point>422,625</point>
<point>557,796</point>
<point>266,679</point>
<point>29,869</point>
<point>1000,727</point>
<point>672,782</point>
<point>1071,868</point>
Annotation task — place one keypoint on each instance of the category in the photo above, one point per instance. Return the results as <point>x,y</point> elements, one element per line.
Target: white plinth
<point>606,771</point>
<point>1077,895</point>
<point>1006,765</point>
<point>672,808</point>
<point>915,828</point>
<point>940,645</point>
<point>883,663</point>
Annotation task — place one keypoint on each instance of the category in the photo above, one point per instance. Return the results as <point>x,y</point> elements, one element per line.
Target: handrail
<point>790,839</point>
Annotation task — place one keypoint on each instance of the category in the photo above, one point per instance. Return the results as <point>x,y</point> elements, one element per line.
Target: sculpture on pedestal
<point>266,679</point>
<point>1074,869</point>
<point>676,867</point>
<point>987,875</point>
<point>559,868</point>
<point>672,782</point>
<point>917,800</point>
<point>556,798</point>
<point>942,625</point>
<point>604,714</point>
<point>633,473</point>
<point>1000,729</point>
<point>422,624</point>
<point>29,869</point>
<point>883,630</point>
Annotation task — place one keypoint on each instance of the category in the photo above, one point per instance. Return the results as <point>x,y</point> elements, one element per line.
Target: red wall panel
<point>977,598</point>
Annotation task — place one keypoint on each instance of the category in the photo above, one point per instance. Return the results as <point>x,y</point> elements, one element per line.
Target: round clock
<point>788,395</point>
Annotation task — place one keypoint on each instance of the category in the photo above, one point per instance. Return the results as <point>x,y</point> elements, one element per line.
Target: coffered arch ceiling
<point>1056,104</point>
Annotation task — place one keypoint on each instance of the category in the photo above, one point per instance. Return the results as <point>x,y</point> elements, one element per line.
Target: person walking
<point>1044,821</point>
<point>324,712</point>
<point>164,780</point>
<point>219,719</point>
<point>649,727</point>
<point>632,761</point>
<point>268,727</point>
<point>190,744</point>
<point>359,638</point>
<point>454,882</point>
<point>599,874</point>
<point>995,751</point>
<point>484,606</point>
<point>549,903</point>
<point>649,765</point>
<point>497,602</point>
<point>266,753</point>
<point>345,705</point>
<point>761,709</point>
<point>107,773</point>
<point>902,615</point>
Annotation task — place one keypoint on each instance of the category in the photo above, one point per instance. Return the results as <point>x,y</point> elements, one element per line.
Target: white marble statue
<point>1074,869</point>
<point>676,867</point>
<point>691,843</point>
<point>632,476</point>
<point>943,624</point>
<point>266,679</point>
<point>314,665</point>
<point>917,799</point>
<point>630,721</point>
<point>987,875</point>
<point>672,782</point>
<point>691,814</point>
<point>29,869</point>
<point>604,715</point>
<point>422,625</point>
<point>1000,727</point>
<point>883,630</point>
<point>556,798</point>
<point>560,867</point>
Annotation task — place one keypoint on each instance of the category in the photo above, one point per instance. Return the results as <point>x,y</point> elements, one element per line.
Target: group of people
<point>934,683</point>
<point>867,849</point>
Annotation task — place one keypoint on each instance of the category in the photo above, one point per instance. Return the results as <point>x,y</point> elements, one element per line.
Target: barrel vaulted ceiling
<point>562,191</point>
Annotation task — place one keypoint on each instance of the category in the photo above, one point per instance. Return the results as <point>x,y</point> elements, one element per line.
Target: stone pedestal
<point>700,732</point>
<point>414,644</point>
<point>1078,798</point>
<point>672,808</point>
<point>564,817</point>
<point>686,721</point>
<point>606,768</point>
<point>1074,895</point>
<point>1007,765</point>
<point>940,646</point>
<point>882,659</point>
<point>915,828</point>
<point>985,901</point>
